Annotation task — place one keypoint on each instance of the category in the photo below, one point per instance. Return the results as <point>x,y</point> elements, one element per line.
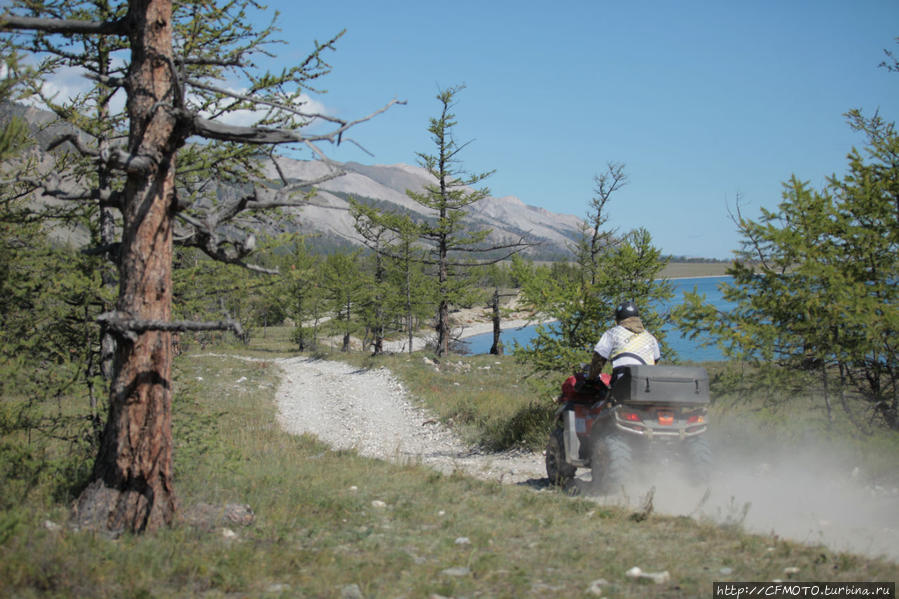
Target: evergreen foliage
<point>401,297</point>
<point>452,249</point>
<point>167,59</point>
<point>815,282</point>
<point>344,286</point>
<point>302,293</point>
<point>207,289</point>
<point>50,381</point>
<point>447,197</point>
<point>579,300</point>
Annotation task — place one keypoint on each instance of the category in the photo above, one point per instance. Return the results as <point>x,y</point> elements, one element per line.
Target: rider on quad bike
<point>605,421</point>
<point>627,343</point>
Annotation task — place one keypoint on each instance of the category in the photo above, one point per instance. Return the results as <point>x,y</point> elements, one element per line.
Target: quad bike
<point>650,415</point>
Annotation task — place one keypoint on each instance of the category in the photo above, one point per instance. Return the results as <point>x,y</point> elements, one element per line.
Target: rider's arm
<point>596,366</point>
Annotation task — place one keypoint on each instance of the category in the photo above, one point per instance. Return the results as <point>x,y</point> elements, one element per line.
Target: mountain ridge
<point>327,218</point>
<point>507,216</point>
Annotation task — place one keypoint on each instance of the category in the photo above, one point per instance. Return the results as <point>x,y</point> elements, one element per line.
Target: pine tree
<point>344,284</point>
<point>814,285</point>
<point>453,246</point>
<point>416,297</point>
<point>174,55</point>
<point>303,294</point>
<point>399,292</point>
<point>580,302</point>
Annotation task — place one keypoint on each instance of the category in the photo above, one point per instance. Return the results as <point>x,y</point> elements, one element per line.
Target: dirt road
<point>369,410</point>
<point>813,497</point>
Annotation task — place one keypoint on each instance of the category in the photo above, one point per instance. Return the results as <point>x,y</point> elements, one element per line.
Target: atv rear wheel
<point>611,463</point>
<point>558,470</point>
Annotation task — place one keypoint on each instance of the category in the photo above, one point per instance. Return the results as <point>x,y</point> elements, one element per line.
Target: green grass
<point>317,529</point>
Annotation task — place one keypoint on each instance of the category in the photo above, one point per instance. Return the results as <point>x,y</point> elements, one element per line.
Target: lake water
<point>687,350</point>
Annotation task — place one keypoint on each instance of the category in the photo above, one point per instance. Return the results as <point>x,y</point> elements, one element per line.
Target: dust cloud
<point>816,495</point>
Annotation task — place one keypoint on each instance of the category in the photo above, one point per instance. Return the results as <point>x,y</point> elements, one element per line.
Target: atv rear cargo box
<point>662,384</point>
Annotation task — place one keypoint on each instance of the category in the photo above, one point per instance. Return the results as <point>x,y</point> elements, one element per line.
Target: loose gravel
<point>370,411</point>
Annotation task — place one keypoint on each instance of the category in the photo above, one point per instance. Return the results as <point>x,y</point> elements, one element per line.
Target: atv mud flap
<point>572,442</point>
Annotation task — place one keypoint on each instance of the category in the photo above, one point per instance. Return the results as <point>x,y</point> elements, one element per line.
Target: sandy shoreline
<point>479,328</point>
<point>461,330</point>
<point>696,277</point>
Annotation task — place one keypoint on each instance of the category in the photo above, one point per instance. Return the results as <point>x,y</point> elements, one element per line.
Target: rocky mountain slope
<point>327,216</point>
<point>385,186</point>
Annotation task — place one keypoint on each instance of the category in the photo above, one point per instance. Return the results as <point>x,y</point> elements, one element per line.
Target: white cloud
<point>246,118</point>
<point>69,82</point>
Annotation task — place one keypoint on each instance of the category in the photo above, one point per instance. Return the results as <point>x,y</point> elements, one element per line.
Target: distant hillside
<point>385,187</point>
<point>327,219</point>
<point>327,216</point>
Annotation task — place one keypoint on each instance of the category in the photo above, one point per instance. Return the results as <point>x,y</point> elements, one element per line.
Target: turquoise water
<point>687,350</point>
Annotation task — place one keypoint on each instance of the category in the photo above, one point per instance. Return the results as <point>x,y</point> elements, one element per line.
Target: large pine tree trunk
<point>132,478</point>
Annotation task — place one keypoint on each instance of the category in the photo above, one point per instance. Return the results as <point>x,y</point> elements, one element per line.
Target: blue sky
<point>701,100</point>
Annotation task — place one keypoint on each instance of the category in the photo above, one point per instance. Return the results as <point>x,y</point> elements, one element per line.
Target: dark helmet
<point>626,310</point>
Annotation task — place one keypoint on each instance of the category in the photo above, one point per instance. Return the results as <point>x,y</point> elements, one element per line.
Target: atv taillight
<point>631,417</point>
<point>696,419</point>
<point>666,418</point>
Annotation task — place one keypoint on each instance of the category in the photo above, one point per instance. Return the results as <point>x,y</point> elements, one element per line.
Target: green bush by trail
<point>814,286</point>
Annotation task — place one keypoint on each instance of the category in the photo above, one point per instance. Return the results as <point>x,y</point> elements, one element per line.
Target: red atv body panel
<point>584,400</point>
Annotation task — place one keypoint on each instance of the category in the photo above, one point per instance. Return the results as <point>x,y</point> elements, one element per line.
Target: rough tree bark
<point>132,479</point>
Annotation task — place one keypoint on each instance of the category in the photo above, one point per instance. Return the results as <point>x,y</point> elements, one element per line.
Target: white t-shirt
<point>623,347</point>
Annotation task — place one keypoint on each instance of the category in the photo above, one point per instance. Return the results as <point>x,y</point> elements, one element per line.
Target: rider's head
<point>626,310</point>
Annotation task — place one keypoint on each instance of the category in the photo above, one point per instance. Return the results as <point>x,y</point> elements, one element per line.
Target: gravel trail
<point>368,410</point>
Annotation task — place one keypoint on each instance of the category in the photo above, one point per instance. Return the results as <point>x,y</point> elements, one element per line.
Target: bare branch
<point>521,243</point>
<point>127,327</point>
<point>358,145</point>
<point>264,135</point>
<point>76,142</point>
<point>251,135</point>
<point>212,62</point>
<point>262,102</point>
<point>266,199</point>
<point>116,158</point>
<point>107,80</point>
<point>230,251</point>
<point>117,27</point>
<point>51,186</point>
<point>513,248</point>
<point>304,185</point>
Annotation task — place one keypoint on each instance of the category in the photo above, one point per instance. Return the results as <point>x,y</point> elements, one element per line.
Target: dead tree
<point>497,349</point>
<point>132,487</point>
